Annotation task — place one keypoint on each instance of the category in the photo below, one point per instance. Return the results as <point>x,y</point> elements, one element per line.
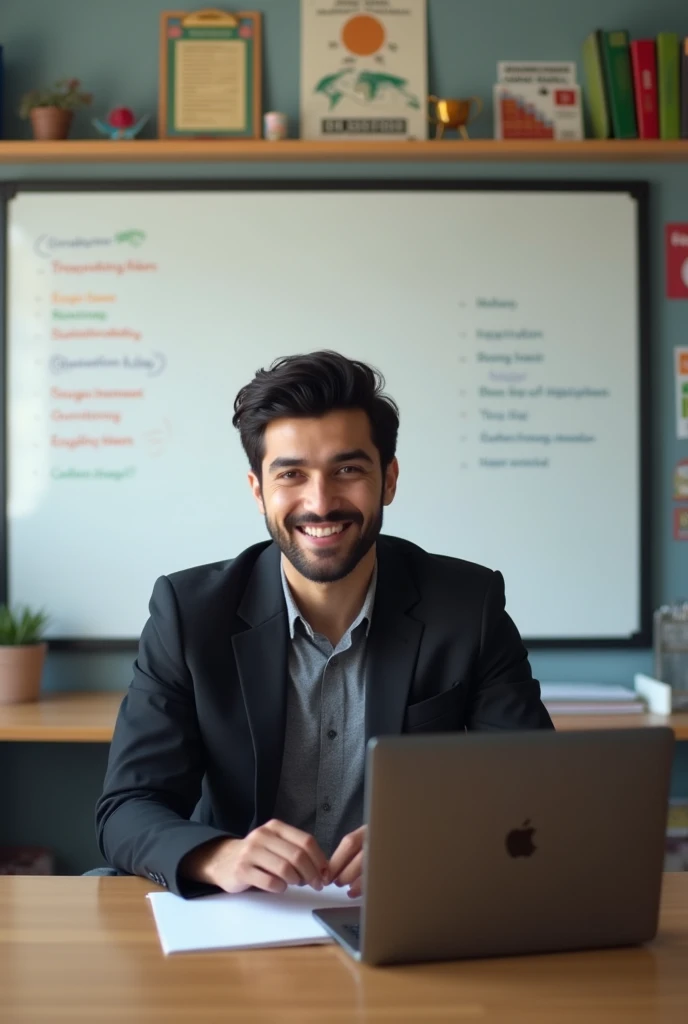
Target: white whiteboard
<point>505,321</point>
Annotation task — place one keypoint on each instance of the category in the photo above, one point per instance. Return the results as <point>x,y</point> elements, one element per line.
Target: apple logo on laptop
<point>519,842</point>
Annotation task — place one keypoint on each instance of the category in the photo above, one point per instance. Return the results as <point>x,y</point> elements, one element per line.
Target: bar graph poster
<point>363,69</point>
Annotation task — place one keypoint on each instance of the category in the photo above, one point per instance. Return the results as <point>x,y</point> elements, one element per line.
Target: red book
<point>644,64</point>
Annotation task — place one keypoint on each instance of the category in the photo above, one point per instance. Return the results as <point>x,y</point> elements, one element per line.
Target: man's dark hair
<point>311,386</point>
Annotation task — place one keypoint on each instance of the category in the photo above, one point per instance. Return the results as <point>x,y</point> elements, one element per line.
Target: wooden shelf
<point>296,150</point>
<point>90,718</point>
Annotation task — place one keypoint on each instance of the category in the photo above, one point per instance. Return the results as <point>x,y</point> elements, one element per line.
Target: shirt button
<point>326,807</point>
<point>331,734</point>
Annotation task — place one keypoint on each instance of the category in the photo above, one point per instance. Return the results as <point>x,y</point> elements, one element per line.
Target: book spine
<point>684,89</point>
<point>617,67</point>
<point>668,83</point>
<point>596,92</point>
<point>644,66</point>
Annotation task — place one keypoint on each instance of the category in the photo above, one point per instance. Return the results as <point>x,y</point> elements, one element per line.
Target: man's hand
<point>346,863</point>
<point>269,858</point>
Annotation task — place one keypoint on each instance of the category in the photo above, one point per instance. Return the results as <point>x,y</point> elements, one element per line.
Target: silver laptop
<point>502,843</point>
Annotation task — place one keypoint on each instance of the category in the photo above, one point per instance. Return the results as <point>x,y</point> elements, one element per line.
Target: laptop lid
<point>492,844</point>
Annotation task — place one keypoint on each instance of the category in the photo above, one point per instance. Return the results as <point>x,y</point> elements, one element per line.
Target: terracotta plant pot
<point>51,122</point>
<point>21,668</point>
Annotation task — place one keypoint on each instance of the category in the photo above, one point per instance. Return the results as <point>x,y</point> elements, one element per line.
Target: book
<point>581,708</point>
<point>684,88</point>
<point>588,692</point>
<point>644,67</point>
<point>668,85</point>
<point>677,818</point>
<point>590,699</point>
<point>596,93</point>
<point>619,82</point>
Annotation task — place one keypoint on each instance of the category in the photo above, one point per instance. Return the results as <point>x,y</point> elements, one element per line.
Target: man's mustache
<point>310,519</point>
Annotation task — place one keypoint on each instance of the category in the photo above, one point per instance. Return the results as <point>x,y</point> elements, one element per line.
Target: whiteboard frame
<point>638,190</point>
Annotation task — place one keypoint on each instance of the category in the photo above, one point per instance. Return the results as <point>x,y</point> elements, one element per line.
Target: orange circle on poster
<point>363,35</point>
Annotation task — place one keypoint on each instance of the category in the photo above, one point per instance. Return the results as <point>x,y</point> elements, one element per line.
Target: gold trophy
<point>453,114</point>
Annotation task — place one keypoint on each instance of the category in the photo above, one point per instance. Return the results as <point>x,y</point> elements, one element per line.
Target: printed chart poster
<point>681,357</point>
<point>363,69</point>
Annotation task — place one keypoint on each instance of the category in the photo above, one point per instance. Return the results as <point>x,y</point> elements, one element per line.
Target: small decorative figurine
<point>120,124</point>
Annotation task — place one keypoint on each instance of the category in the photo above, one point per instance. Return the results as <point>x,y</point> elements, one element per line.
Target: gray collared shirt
<point>321,784</point>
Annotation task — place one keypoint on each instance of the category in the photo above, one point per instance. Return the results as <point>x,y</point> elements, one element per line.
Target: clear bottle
<point>670,641</point>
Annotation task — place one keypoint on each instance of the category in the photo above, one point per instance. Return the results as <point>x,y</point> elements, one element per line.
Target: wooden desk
<point>86,949</point>
<point>62,718</point>
<point>90,718</point>
<point>678,722</point>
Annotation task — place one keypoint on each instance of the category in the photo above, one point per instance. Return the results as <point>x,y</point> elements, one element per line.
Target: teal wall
<point>47,791</point>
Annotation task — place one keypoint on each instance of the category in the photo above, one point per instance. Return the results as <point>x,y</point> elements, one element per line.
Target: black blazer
<point>197,748</point>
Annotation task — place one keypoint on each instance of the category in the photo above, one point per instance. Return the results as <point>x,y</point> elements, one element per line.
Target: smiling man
<point>238,755</point>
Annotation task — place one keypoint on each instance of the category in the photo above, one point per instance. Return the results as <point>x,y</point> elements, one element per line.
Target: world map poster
<point>363,69</point>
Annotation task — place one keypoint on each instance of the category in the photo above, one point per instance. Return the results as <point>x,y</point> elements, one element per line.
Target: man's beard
<point>319,568</point>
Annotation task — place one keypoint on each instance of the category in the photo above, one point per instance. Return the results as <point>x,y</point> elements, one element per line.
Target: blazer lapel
<point>393,645</point>
<point>261,655</point>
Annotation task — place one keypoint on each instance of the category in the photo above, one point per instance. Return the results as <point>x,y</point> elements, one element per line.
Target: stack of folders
<point>590,699</point>
<point>636,88</point>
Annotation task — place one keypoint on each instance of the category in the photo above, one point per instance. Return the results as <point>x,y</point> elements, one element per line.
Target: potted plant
<point>22,654</point>
<point>51,110</point>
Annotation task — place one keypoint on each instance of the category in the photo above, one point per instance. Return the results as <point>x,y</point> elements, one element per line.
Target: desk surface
<point>86,949</point>
<point>90,718</point>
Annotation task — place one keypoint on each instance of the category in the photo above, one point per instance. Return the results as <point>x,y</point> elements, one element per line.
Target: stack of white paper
<point>247,920</point>
<point>590,699</point>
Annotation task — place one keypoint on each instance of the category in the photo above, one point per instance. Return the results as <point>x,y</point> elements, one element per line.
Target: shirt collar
<point>293,613</point>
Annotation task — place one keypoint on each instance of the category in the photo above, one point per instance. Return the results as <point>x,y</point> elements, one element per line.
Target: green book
<point>619,81</point>
<point>598,107</point>
<point>668,85</point>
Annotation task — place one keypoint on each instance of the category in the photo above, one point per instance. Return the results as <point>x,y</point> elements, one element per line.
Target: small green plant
<point>64,94</point>
<point>21,626</point>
